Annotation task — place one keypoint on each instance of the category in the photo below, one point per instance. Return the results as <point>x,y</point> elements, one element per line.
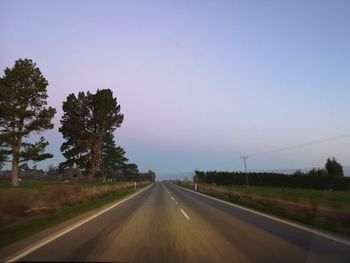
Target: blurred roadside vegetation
<point>36,205</point>
<point>325,209</point>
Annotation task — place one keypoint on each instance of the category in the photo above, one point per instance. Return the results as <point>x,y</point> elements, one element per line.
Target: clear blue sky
<point>200,82</point>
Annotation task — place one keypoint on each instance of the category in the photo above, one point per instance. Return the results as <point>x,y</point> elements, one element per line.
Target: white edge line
<point>26,251</point>
<point>184,213</point>
<point>316,232</point>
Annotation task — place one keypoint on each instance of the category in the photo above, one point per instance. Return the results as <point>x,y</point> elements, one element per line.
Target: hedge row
<point>320,182</point>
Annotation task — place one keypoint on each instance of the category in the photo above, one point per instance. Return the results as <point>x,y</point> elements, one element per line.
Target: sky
<point>200,83</point>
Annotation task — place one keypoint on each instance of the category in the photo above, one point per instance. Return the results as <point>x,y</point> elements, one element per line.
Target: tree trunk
<point>95,160</point>
<point>15,162</point>
<point>92,170</point>
<point>104,176</point>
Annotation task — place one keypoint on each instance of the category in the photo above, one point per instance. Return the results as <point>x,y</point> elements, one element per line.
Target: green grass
<point>334,199</point>
<point>29,226</point>
<point>28,185</point>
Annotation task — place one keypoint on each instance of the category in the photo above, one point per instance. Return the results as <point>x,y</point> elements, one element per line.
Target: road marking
<point>172,198</point>
<point>310,230</point>
<point>26,251</point>
<point>176,202</point>
<point>184,213</point>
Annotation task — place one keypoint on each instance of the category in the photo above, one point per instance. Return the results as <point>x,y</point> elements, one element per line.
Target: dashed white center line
<point>176,202</point>
<point>184,213</point>
<point>172,198</point>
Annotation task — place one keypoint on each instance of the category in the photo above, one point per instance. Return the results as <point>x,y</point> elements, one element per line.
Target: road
<point>166,223</point>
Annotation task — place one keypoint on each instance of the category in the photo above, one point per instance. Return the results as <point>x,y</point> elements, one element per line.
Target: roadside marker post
<point>245,170</point>
<point>195,186</point>
<point>135,185</point>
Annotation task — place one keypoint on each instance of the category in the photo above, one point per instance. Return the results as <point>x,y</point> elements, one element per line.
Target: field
<point>36,205</point>
<point>328,210</point>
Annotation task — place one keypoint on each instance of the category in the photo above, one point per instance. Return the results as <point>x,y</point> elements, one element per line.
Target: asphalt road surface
<point>165,223</point>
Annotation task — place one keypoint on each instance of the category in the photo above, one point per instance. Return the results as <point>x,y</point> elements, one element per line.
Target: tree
<point>131,170</point>
<point>3,154</point>
<point>3,159</point>
<point>23,95</point>
<point>24,171</point>
<point>318,172</point>
<point>113,157</point>
<point>87,120</point>
<point>73,128</point>
<point>298,173</point>
<point>105,118</point>
<point>152,176</point>
<point>149,176</point>
<point>52,173</point>
<point>333,167</point>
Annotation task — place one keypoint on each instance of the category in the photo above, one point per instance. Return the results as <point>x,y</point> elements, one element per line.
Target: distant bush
<point>334,168</point>
<point>317,180</point>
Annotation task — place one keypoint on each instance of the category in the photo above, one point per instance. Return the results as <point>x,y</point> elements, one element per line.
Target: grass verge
<point>27,226</point>
<point>327,210</point>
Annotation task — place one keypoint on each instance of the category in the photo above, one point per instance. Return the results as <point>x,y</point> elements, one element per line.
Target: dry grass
<point>23,202</point>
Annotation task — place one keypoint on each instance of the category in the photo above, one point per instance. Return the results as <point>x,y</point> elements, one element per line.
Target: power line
<point>334,138</point>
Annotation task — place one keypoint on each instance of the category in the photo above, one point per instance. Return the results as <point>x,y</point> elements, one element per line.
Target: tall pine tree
<point>23,95</point>
<point>73,128</point>
<point>87,120</point>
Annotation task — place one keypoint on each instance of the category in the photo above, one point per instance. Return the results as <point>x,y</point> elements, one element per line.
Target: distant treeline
<point>297,180</point>
<point>329,177</point>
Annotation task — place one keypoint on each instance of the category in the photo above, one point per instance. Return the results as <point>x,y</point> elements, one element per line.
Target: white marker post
<point>135,185</point>
<point>195,186</point>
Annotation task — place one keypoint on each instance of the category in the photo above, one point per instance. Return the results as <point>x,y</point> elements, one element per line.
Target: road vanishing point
<point>166,223</point>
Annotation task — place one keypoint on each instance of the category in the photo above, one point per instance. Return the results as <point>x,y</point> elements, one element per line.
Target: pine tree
<point>113,157</point>
<point>3,154</point>
<point>73,128</point>
<point>87,120</point>
<point>23,95</point>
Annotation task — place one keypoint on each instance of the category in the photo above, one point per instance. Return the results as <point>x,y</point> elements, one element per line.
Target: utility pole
<point>245,170</point>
